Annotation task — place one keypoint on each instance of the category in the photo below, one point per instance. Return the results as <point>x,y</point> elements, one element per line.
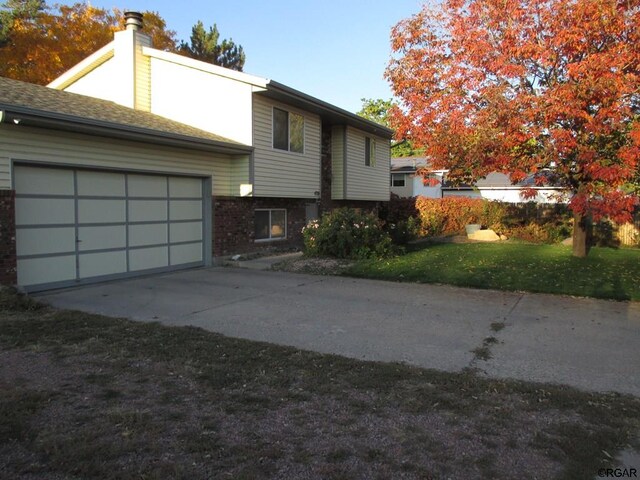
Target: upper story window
<point>369,152</point>
<point>288,131</point>
<point>398,180</point>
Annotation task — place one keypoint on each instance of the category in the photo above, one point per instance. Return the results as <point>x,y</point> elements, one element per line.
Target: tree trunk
<point>581,235</point>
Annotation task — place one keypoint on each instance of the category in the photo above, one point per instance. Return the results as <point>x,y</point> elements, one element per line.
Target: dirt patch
<point>314,265</point>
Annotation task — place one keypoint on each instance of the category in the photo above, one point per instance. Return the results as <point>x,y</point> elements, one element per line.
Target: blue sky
<point>331,49</point>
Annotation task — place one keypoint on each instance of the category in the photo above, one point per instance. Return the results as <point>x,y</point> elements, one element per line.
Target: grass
<point>87,396</point>
<point>605,273</point>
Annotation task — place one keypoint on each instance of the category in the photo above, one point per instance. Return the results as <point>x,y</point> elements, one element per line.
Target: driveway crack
<point>240,300</point>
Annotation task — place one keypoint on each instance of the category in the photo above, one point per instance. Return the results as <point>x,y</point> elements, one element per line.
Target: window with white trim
<point>288,131</point>
<point>270,224</point>
<point>369,152</point>
<point>398,180</point>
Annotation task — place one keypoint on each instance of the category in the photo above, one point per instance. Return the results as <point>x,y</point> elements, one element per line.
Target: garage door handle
<point>78,240</point>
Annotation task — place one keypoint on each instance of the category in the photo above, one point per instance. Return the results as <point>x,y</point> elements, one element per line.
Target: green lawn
<point>605,273</point>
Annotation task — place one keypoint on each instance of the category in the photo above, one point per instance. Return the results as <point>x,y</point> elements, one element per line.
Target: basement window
<point>288,131</point>
<point>270,224</point>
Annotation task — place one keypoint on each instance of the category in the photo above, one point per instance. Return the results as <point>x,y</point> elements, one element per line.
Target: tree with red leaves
<point>545,87</point>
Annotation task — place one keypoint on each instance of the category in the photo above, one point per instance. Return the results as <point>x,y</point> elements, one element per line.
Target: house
<point>138,161</point>
<point>495,186</point>
<point>406,184</point>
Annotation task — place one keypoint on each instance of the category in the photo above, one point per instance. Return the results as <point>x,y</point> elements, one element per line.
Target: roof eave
<point>38,118</point>
<point>336,114</point>
<point>90,63</point>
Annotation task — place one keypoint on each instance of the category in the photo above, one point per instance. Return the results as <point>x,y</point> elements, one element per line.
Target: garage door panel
<point>43,181</point>
<point>103,263</point>
<point>188,253</point>
<point>45,241</point>
<point>39,211</point>
<point>147,210</point>
<point>186,232</point>
<point>185,209</point>
<point>86,224</point>
<point>185,187</point>
<point>101,184</point>
<point>148,258</point>
<point>34,271</point>
<point>147,234</point>
<point>101,211</point>
<point>147,186</point>
<point>99,238</point>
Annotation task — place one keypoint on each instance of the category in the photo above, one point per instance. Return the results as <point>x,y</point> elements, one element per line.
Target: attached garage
<point>77,225</point>
<point>87,199</point>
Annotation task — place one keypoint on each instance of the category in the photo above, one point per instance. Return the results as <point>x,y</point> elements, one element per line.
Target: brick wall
<point>8,265</point>
<point>233,224</point>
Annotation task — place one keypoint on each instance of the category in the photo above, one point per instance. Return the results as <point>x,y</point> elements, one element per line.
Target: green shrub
<point>347,233</point>
<point>536,233</point>
<point>403,231</point>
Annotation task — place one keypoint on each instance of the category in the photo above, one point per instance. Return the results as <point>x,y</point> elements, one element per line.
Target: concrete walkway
<point>590,344</point>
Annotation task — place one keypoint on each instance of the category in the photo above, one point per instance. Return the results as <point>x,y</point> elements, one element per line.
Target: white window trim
<point>273,126</point>
<point>272,239</point>
<point>404,180</point>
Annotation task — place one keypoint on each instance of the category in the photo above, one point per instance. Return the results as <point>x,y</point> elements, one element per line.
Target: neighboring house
<point>166,162</point>
<point>496,186</point>
<point>405,183</point>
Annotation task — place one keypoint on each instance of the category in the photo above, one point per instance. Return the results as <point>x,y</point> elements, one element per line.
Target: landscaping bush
<point>448,216</point>
<point>403,231</point>
<point>530,221</point>
<point>347,233</point>
<point>540,233</point>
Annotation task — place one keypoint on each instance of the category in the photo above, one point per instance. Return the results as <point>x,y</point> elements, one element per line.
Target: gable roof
<point>40,106</point>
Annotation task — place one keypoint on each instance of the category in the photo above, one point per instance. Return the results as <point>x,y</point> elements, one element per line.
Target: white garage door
<point>75,226</point>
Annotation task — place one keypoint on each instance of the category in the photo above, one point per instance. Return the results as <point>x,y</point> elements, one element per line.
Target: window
<point>288,131</point>
<point>369,152</point>
<point>271,224</point>
<point>397,179</point>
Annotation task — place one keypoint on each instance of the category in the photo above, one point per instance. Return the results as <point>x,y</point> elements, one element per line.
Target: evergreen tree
<point>13,10</point>
<point>206,46</point>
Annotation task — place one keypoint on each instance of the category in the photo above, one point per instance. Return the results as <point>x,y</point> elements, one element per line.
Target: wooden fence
<point>629,233</point>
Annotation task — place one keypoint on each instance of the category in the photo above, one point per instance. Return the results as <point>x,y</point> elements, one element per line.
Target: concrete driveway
<point>590,344</point>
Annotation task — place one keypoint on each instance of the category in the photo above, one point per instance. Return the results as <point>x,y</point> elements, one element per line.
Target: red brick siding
<point>8,264</point>
<point>233,224</point>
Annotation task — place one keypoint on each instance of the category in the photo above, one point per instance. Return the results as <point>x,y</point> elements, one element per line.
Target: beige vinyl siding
<point>279,173</point>
<point>239,175</point>
<point>201,99</point>
<point>38,145</point>
<point>367,182</point>
<point>337,162</point>
<point>143,81</point>
<point>5,173</point>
